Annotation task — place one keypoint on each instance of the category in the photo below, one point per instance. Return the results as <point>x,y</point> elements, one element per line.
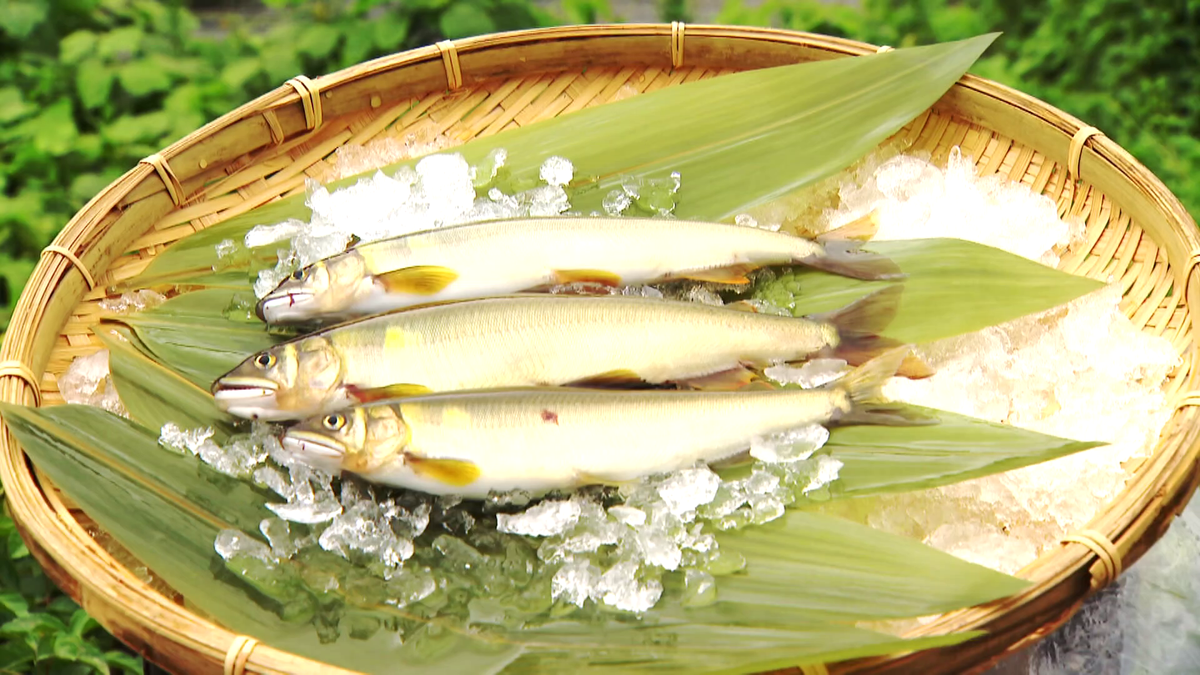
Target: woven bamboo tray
<point>1137,233</point>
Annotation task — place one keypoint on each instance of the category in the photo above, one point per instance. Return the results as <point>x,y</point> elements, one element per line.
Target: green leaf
<point>191,333</point>
<point>238,73</point>
<point>388,31</point>
<point>901,459</point>
<point>87,185</point>
<point>154,394</point>
<point>16,546</point>
<point>93,81</point>
<point>137,128</point>
<point>12,105</point>
<point>32,624</point>
<point>126,662</point>
<point>809,121</point>
<point>952,287</point>
<point>317,40</point>
<point>77,45</point>
<point>53,131</point>
<point>81,623</point>
<point>143,77</point>
<point>18,18</point>
<point>120,43</point>
<point>14,603</point>
<point>72,648</point>
<point>464,19</point>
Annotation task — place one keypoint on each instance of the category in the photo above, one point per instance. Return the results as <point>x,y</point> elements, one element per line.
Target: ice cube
<point>699,589</point>
<point>87,382</point>
<point>827,471</point>
<point>270,477</point>
<point>620,588</point>
<point>307,512</point>
<point>557,171</point>
<point>575,582</point>
<point>703,295</point>
<point>230,544</point>
<point>544,520</point>
<point>812,374</point>
<point>627,514</point>
<point>615,202</point>
<point>133,301</point>
<point>279,534</point>
<point>685,490</point>
<point>789,446</point>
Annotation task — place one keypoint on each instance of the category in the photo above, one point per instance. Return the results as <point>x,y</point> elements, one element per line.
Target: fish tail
<point>859,325</point>
<point>864,388</point>
<point>847,259</point>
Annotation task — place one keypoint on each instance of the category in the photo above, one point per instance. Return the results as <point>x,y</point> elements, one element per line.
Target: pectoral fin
<point>418,280</point>
<point>613,379</point>
<point>601,277</point>
<point>724,380</point>
<point>862,229</point>
<point>584,478</point>
<point>449,471</point>
<point>391,391</point>
<point>734,274</point>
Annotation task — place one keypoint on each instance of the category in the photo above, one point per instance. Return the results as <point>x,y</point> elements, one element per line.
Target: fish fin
<point>742,306</point>
<point>734,274</point>
<point>915,368</point>
<point>848,260</point>
<point>370,395</point>
<point>454,472</point>
<point>613,379</point>
<point>862,229</point>
<point>418,280</point>
<point>584,478</point>
<point>601,277</point>
<point>863,386</point>
<point>860,323</point>
<point>732,379</point>
<point>354,240</point>
<point>761,385</point>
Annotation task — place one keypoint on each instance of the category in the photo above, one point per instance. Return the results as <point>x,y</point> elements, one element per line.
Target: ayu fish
<point>539,340</point>
<point>472,443</point>
<point>507,256</point>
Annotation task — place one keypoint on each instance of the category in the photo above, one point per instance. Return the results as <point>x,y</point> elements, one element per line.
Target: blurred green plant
<point>1124,66</point>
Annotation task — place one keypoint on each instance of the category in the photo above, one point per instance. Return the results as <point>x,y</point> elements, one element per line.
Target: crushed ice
<point>133,301</point>
<point>1081,371</point>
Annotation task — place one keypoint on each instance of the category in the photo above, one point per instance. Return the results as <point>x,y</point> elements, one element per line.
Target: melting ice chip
<point>307,512</point>
<point>615,202</point>
<point>689,488</point>
<point>134,301</point>
<point>233,543</point>
<point>544,520</point>
<point>628,515</point>
<point>575,582</point>
<point>280,535</point>
<point>620,588</point>
<point>812,374</point>
<point>789,446</point>
<point>263,235</point>
<point>191,441</point>
<point>827,472</point>
<point>557,171</point>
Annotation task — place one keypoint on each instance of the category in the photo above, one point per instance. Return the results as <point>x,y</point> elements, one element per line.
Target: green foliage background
<point>88,87</point>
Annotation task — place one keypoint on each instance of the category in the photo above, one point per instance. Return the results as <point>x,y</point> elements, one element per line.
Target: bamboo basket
<point>1137,233</point>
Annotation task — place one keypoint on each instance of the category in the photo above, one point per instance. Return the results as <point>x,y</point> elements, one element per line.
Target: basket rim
<point>101,582</point>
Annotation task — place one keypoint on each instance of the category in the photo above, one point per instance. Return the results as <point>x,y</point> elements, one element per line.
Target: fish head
<point>326,288</point>
<point>288,381</point>
<point>359,439</point>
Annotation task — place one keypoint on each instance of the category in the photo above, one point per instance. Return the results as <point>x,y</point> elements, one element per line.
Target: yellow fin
<point>742,306</point>
<point>418,280</point>
<point>449,471</point>
<point>613,379</point>
<point>863,229</point>
<point>735,274</point>
<point>390,391</point>
<point>601,277</point>
<point>723,380</point>
<point>585,478</point>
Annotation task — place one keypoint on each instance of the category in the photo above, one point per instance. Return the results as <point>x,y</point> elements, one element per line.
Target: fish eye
<point>264,360</point>
<point>298,275</point>
<point>334,422</point>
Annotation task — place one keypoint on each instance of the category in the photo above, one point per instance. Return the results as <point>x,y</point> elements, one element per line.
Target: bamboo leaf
<point>198,335</point>
<point>901,459</point>
<point>801,574</point>
<point>154,394</point>
<point>807,121</point>
<point>952,287</point>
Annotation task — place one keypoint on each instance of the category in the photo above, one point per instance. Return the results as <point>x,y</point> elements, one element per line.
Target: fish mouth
<point>314,449</point>
<point>291,306</point>
<point>248,397</point>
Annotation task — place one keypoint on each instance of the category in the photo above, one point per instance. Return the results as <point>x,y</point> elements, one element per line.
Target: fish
<point>538,340</point>
<point>541,439</point>
<point>500,257</point>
